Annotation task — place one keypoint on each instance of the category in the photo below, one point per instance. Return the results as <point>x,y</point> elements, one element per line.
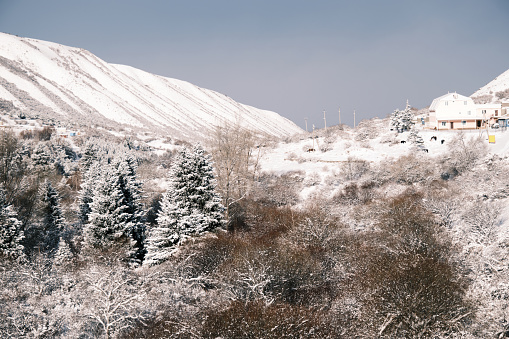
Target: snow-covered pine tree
<point>189,207</point>
<point>115,211</point>
<point>90,178</point>
<point>395,120</point>
<point>108,218</point>
<point>126,167</point>
<point>11,233</point>
<point>41,158</point>
<point>401,121</point>
<point>89,156</point>
<point>415,138</point>
<point>50,216</point>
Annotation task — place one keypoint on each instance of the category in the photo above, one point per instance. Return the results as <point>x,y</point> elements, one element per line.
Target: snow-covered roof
<point>447,97</point>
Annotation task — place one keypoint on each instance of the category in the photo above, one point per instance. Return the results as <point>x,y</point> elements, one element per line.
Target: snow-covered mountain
<point>72,85</point>
<point>496,90</point>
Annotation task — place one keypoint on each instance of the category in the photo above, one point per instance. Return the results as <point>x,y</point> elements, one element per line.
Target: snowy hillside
<point>371,144</point>
<point>495,91</point>
<point>72,85</point>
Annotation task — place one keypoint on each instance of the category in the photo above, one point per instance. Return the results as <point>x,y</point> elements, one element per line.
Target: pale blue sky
<point>294,57</point>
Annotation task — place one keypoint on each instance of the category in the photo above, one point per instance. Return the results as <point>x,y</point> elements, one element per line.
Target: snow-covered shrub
<point>278,190</point>
<point>328,141</point>
<point>292,156</point>
<point>483,221</point>
<point>387,139</point>
<point>502,94</point>
<point>312,179</point>
<point>354,168</point>
<point>464,153</point>
<point>407,170</point>
<point>483,99</point>
<point>355,193</point>
<point>365,144</point>
<point>367,130</point>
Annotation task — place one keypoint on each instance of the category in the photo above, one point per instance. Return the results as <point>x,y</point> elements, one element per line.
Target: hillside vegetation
<point>346,233</point>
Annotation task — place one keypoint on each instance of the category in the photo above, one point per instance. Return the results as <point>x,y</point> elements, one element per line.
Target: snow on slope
<point>71,84</point>
<point>500,86</point>
<point>318,165</point>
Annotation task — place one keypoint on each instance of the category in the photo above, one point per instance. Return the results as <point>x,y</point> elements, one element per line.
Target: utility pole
<point>313,135</point>
<point>324,121</point>
<point>339,111</point>
<point>306,119</point>
<point>353,118</point>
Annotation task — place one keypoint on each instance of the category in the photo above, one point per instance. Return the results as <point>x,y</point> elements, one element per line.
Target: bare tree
<point>115,300</point>
<point>235,162</point>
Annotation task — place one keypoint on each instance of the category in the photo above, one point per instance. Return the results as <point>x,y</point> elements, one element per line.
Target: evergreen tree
<point>41,158</point>
<point>50,216</point>
<point>415,138</point>
<point>87,190</point>
<point>11,233</point>
<point>126,167</point>
<point>89,156</point>
<point>113,211</point>
<point>401,121</point>
<point>108,219</point>
<point>189,207</point>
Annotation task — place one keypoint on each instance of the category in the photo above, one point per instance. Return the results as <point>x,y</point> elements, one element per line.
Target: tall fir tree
<point>107,220</point>
<point>50,217</point>
<point>89,156</point>
<point>92,174</point>
<point>41,158</point>
<point>189,207</point>
<point>111,207</point>
<point>126,167</point>
<point>401,121</point>
<point>11,232</point>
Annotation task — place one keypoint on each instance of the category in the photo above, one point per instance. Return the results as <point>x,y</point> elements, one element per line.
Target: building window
<point>465,102</point>
<point>447,103</point>
<point>444,124</point>
<point>483,111</point>
<point>469,112</point>
<point>463,122</point>
<point>496,112</point>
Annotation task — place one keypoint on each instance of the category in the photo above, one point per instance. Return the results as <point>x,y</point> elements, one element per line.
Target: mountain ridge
<point>73,85</point>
